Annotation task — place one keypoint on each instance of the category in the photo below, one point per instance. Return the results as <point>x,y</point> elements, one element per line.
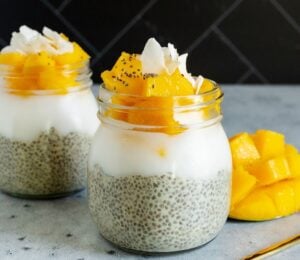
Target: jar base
<point>149,253</point>
<point>41,196</point>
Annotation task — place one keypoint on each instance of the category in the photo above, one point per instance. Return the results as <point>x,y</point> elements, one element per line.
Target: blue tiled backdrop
<point>231,41</point>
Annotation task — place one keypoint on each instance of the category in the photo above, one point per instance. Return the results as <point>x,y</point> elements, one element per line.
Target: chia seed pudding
<point>49,166</point>
<point>159,213</point>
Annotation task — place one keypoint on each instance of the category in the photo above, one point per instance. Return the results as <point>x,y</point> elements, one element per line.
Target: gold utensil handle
<point>275,248</point>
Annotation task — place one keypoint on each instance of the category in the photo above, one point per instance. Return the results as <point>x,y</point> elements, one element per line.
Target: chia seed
<point>161,213</point>
<point>49,166</point>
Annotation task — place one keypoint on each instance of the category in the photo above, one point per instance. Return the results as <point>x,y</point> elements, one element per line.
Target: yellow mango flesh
<point>43,71</point>
<point>277,190</point>
<point>256,206</point>
<point>293,158</point>
<point>271,171</point>
<point>242,184</point>
<point>243,150</point>
<point>126,78</point>
<point>269,143</point>
<point>165,85</point>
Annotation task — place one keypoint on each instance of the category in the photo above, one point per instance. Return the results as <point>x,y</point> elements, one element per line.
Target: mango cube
<point>269,143</point>
<point>294,164</point>
<point>125,76</point>
<point>283,196</point>
<point>242,184</point>
<point>166,85</point>
<point>290,149</point>
<point>243,150</point>
<point>271,171</point>
<point>257,206</point>
<point>295,184</point>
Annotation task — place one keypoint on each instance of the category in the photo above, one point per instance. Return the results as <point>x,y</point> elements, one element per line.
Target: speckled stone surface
<point>63,228</point>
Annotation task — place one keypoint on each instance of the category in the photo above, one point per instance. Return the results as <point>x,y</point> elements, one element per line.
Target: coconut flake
<point>31,41</point>
<point>156,59</point>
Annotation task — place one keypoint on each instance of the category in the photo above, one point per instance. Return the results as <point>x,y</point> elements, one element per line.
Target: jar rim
<point>206,103</point>
<point>216,95</point>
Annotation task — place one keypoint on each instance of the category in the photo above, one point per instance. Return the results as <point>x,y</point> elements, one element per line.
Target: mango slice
<point>268,143</point>
<point>271,171</point>
<point>243,150</point>
<point>242,184</point>
<point>266,186</point>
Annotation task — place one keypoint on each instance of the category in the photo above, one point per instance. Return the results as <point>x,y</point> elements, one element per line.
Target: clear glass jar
<point>45,135</point>
<point>153,189</point>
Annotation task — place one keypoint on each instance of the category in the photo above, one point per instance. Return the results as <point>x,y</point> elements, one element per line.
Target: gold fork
<point>275,248</point>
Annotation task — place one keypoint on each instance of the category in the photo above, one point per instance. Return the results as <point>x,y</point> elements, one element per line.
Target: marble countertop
<point>63,228</point>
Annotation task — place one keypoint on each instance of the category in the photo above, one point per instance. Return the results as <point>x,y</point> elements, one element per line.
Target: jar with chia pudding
<point>47,115</point>
<point>159,172</point>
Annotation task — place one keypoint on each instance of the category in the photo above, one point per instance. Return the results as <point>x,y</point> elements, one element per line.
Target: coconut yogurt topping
<point>28,41</point>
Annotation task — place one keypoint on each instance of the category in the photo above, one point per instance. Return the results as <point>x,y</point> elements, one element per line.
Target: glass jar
<point>45,135</point>
<point>154,189</point>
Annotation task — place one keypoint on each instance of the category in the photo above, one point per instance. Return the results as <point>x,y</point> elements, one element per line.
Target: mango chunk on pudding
<point>243,150</point>
<point>154,184</point>
<point>265,176</point>
<point>32,70</point>
<point>47,114</point>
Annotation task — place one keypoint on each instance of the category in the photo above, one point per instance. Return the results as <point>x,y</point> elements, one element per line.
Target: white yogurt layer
<point>195,153</point>
<point>25,117</point>
<point>31,41</point>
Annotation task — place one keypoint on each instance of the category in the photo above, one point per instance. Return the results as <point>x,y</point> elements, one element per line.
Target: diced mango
<point>155,112</point>
<point>165,85</point>
<point>35,63</point>
<point>242,184</point>
<point>271,171</point>
<point>13,59</point>
<point>257,206</point>
<point>295,184</point>
<point>77,57</point>
<point>43,71</point>
<point>206,86</point>
<point>290,149</point>
<point>293,160</point>
<point>283,196</point>
<point>277,191</point>
<point>243,150</point>
<point>269,143</point>
<point>125,76</point>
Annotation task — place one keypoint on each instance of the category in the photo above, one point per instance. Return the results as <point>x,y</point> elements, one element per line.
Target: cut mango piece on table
<point>125,76</point>
<point>166,85</point>
<point>293,160</point>
<point>242,184</point>
<point>283,196</point>
<point>271,171</point>
<point>295,184</point>
<point>243,150</point>
<point>257,206</point>
<point>290,149</point>
<point>269,143</point>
